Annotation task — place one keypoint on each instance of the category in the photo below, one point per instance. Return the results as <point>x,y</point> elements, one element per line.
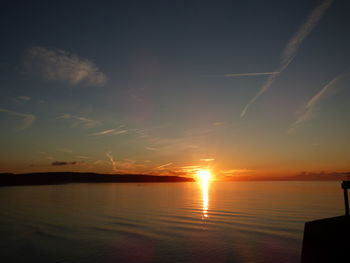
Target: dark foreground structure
<point>73,177</point>
<point>328,240</point>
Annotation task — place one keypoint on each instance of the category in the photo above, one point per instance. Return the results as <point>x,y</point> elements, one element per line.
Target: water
<point>162,222</point>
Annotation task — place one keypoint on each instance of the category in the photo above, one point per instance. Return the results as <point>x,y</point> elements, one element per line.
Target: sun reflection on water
<point>204,177</point>
<point>205,198</point>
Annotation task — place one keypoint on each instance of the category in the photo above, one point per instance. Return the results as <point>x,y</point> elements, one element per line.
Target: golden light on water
<point>205,198</point>
<point>204,177</point>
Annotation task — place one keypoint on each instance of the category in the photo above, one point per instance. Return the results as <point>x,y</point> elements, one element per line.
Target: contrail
<point>111,159</point>
<point>291,48</point>
<point>309,109</point>
<point>251,74</point>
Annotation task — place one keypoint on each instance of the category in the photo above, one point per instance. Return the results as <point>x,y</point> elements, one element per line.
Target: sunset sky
<point>167,87</point>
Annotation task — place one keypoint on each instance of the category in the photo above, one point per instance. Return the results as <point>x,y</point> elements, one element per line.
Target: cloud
<point>184,170</point>
<point>25,118</point>
<point>104,132</point>
<point>163,166</point>
<point>79,120</point>
<point>291,49</point>
<point>111,159</point>
<point>252,74</point>
<point>63,163</point>
<point>309,110</point>
<point>218,123</point>
<point>207,160</point>
<point>129,165</point>
<point>237,171</point>
<point>86,121</point>
<point>110,132</point>
<point>151,149</point>
<point>124,165</point>
<point>82,157</point>
<point>64,66</point>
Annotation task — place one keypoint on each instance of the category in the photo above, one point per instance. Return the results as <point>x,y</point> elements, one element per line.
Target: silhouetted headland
<point>49,178</point>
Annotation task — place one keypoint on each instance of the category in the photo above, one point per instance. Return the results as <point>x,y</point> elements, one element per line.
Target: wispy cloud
<point>86,121</point>
<point>82,157</point>
<point>25,118</point>
<point>251,74</point>
<point>184,170</point>
<point>46,156</point>
<point>151,149</point>
<point>207,160</point>
<point>112,161</point>
<point>104,132</point>
<point>80,120</point>
<point>64,66</point>
<point>237,171</point>
<point>123,165</point>
<point>291,49</point>
<point>163,166</point>
<point>309,110</point>
<point>218,123</point>
<point>230,171</point>
<point>111,132</point>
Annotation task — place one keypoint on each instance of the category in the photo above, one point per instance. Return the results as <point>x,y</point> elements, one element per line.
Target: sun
<point>204,175</point>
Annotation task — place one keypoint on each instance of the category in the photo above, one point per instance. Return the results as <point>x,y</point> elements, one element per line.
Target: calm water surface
<point>162,222</point>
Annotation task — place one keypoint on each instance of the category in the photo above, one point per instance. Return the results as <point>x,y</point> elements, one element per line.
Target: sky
<point>243,88</point>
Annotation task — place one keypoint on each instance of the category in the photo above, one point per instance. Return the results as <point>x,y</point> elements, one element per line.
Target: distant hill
<point>50,178</point>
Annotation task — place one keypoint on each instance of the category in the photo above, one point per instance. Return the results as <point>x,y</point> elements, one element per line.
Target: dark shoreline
<point>55,178</point>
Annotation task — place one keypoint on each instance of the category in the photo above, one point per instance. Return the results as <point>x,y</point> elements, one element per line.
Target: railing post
<point>346,199</point>
<point>345,185</point>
